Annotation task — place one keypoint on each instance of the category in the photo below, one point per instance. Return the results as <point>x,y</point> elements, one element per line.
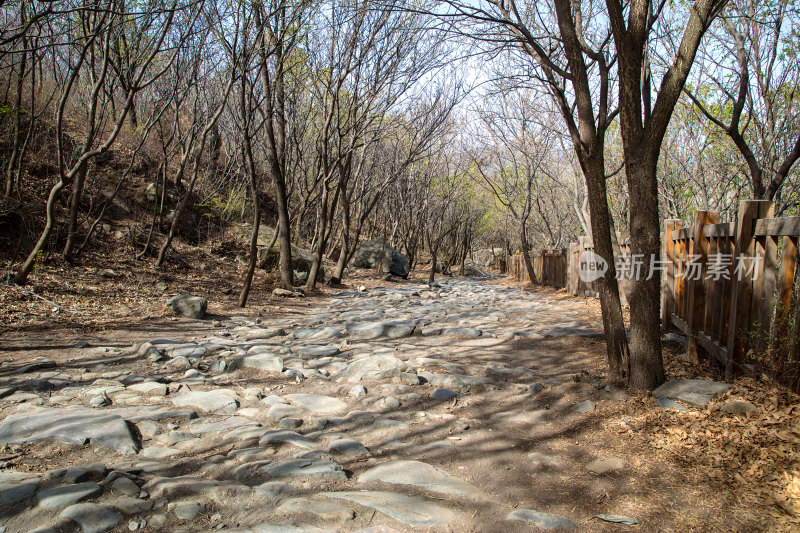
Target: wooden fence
<point>725,288</point>
<point>550,267</point>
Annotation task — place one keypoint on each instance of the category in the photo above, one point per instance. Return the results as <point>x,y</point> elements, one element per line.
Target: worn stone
<point>443,394</point>
<point>259,361</point>
<point>273,489</point>
<point>410,510</point>
<point>91,517</point>
<point>11,493</point>
<point>304,467</point>
<point>318,403</point>
<point>281,436</point>
<point>373,330</point>
<point>149,388</point>
<point>326,511</point>
<point>59,497</point>
<point>73,426</point>
<point>542,520</point>
<point>695,391</point>
<point>347,447</point>
<point>583,407</point>
<point>419,474</point>
<point>217,401</point>
<point>282,410</point>
<point>738,407</point>
<point>186,510</point>
<point>377,367</point>
<point>666,403</point>
<point>125,486</point>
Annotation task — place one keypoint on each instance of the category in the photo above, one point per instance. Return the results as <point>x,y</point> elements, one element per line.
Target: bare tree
<point>746,88</point>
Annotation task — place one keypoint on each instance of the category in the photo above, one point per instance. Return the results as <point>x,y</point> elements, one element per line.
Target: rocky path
<point>465,406</point>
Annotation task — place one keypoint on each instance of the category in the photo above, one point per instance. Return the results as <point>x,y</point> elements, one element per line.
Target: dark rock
<point>188,305</point>
<point>378,254</point>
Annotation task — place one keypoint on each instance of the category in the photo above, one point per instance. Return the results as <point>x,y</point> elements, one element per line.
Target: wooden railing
<point>724,287</point>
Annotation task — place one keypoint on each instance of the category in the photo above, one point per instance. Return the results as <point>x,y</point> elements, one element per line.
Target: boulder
<point>188,305</point>
<point>484,258</point>
<point>472,270</point>
<point>268,258</point>
<point>378,254</point>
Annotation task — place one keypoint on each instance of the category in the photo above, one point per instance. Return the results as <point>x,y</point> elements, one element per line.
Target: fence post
<point>698,254</point>
<point>572,269</point>
<point>783,314</point>
<point>668,278</point>
<point>742,282</point>
<point>764,282</point>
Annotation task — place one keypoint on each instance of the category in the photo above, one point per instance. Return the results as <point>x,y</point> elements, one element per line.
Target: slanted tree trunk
<point>247,151</point>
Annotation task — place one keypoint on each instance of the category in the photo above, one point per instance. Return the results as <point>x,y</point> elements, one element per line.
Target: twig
<point>637,430</point>
<point>31,293</point>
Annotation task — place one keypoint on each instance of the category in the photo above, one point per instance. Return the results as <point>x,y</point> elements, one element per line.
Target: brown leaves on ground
<point>754,458</point>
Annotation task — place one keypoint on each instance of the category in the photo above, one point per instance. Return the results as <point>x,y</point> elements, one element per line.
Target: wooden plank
<point>720,230</point>
<point>668,279</point>
<point>767,274</point>
<point>742,289</point>
<point>778,227</point>
<point>726,247</point>
<point>720,353</point>
<point>679,323</point>
<point>682,233</point>
<point>712,292</point>
<point>684,287</point>
<point>697,282</point>
<point>764,274</point>
<point>780,341</point>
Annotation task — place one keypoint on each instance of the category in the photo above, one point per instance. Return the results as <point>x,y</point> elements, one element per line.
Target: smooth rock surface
<point>542,520</point>
<point>419,474</point>
<point>73,426</point>
<point>59,497</point>
<point>318,403</point>
<point>217,401</point>
<point>411,510</point>
<point>695,391</point>
<point>91,517</point>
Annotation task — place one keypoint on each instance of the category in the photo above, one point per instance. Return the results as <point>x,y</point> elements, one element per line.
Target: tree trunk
<point>74,205</point>
<point>526,256</point>
<point>251,170</point>
<point>22,274</point>
<point>251,265</point>
<point>13,160</point>
<point>613,322</point>
<point>319,239</point>
<point>646,362</point>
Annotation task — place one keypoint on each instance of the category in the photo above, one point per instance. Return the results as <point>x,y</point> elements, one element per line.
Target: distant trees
<point>81,49</point>
<point>351,116</point>
<point>747,85</point>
